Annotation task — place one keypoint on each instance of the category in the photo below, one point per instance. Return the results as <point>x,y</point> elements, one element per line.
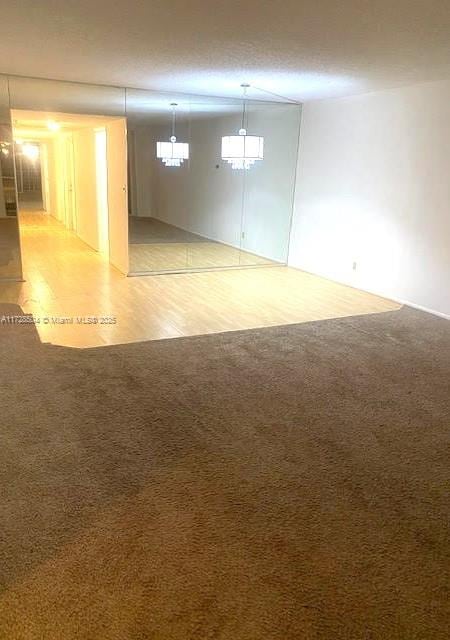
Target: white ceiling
<point>33,125</point>
<point>302,49</point>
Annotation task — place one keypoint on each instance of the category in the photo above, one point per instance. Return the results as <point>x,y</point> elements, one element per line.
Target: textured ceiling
<point>33,125</point>
<point>300,49</point>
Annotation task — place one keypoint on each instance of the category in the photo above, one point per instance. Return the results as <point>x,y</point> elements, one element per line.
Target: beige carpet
<point>276,484</point>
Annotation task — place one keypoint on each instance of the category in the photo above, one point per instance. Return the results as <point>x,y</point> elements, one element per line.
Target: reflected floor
<point>152,231</point>
<point>174,256</point>
<point>158,246</point>
<point>30,201</point>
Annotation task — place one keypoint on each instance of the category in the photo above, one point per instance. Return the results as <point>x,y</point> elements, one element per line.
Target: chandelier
<point>172,153</point>
<point>242,151</point>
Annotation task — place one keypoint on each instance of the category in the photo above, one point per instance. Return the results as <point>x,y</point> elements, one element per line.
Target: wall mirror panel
<point>10,255</point>
<point>216,191</point>
<point>185,214</point>
<point>154,182</point>
<point>202,212</point>
<point>269,184</point>
<point>158,196</point>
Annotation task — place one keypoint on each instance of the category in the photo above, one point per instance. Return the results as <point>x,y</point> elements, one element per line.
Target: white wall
<point>52,205</point>
<point>117,188</point>
<point>86,186</point>
<point>57,164</point>
<point>373,188</point>
<point>142,145</point>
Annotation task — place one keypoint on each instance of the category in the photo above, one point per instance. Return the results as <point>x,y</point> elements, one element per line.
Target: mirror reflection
<point>210,181</point>
<point>10,259</point>
<point>150,181</point>
<point>71,168</point>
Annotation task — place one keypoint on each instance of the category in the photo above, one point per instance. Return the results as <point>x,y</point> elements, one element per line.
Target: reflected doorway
<point>68,183</point>
<point>29,175</point>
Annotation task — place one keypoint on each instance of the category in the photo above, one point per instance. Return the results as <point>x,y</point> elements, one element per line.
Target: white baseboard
<point>405,303</point>
<point>419,307</point>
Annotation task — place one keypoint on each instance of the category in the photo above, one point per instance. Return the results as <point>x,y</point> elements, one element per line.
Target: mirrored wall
<point>10,255</point>
<point>151,181</point>
<point>202,212</point>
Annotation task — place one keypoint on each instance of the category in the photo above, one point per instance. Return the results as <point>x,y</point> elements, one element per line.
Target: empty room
<point>224,320</point>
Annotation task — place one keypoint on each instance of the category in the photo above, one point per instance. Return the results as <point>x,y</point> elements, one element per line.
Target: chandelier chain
<point>173,118</point>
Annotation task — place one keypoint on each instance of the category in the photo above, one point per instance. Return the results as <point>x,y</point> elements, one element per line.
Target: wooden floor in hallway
<point>66,281</point>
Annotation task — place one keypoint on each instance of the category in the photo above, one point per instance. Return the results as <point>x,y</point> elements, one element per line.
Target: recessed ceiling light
<point>53,126</point>
<point>31,151</point>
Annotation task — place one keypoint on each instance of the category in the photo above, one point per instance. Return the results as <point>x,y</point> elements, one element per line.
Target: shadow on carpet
<point>281,483</point>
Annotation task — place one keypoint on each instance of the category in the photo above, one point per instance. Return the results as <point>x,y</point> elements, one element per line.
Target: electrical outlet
<point>243,235</point>
<point>354,267</point>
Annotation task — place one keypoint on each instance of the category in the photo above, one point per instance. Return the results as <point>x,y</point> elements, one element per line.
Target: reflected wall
<point>269,184</point>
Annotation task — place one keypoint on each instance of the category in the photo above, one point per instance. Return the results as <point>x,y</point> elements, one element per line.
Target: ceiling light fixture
<point>31,151</point>
<point>242,151</point>
<point>53,126</point>
<point>172,153</point>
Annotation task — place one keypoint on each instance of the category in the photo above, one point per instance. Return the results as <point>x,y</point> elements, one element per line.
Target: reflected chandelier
<point>172,153</point>
<point>242,151</point>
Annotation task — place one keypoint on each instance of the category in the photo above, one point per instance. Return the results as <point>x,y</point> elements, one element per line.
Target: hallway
<point>63,276</point>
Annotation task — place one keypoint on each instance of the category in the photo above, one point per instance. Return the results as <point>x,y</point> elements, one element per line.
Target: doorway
<point>72,181</point>
<point>29,175</point>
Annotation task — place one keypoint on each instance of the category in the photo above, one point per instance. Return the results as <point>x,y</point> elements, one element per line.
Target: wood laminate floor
<point>65,279</point>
